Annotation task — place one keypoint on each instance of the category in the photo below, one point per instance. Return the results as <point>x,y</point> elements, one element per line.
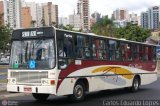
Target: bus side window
<point>83,47</point>
<point>112,49</point>
<point>68,48</point>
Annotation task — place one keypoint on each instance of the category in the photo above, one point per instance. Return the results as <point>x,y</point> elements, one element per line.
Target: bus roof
<point>88,34</point>
<point>120,39</point>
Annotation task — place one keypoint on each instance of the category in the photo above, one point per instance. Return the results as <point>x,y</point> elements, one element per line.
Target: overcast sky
<point>105,7</point>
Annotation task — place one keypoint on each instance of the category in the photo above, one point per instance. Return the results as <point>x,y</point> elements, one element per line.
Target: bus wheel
<point>79,92</point>
<point>135,84</point>
<point>40,97</point>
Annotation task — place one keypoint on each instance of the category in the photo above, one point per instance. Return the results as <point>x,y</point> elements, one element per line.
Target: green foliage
<point>69,27</point>
<point>133,32</point>
<point>103,27</point>
<point>5,32</point>
<point>43,22</point>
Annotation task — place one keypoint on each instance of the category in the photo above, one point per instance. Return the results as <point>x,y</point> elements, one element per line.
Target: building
<point>14,7</point>
<point>36,12</point>
<point>154,17</point>
<point>4,11</point>
<point>144,20</point>
<point>120,14</point>
<point>133,18</point>
<point>151,18</point>
<point>96,16</point>
<point>50,14</point>
<point>1,13</point>
<point>120,23</point>
<point>63,21</point>
<point>26,17</point>
<point>75,21</point>
<point>84,12</point>
<point>33,9</point>
<point>39,15</point>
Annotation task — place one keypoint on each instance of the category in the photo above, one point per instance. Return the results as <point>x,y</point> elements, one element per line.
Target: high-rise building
<point>120,14</point>
<point>75,21</point>
<point>63,21</point>
<point>1,13</point>
<point>36,12</point>
<point>96,16</point>
<point>83,10</point>
<point>50,14</point>
<point>14,13</point>
<point>4,11</point>
<point>154,17</point>
<point>32,6</point>
<point>133,18</point>
<point>151,18</point>
<point>26,17</point>
<point>144,20</point>
<point>39,15</point>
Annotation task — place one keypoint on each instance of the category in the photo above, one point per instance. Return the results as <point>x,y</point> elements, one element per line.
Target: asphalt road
<point>3,73</point>
<point>149,94</point>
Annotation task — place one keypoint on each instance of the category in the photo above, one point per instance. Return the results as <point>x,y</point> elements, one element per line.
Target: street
<point>149,93</point>
<point>3,74</point>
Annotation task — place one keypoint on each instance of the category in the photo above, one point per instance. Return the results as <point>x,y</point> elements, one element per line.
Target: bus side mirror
<point>62,64</point>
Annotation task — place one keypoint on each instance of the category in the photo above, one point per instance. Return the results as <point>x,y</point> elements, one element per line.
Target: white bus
<point>48,61</point>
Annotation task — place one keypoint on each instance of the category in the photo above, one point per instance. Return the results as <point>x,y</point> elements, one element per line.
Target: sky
<point>105,7</point>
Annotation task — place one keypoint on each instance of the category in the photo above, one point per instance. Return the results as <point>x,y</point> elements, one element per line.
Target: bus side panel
<point>148,78</point>
<point>105,77</point>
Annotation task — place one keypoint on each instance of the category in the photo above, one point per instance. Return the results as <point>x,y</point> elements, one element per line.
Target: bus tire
<point>40,97</point>
<point>135,84</point>
<point>79,92</point>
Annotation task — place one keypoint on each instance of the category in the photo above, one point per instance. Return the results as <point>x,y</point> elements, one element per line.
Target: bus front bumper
<point>32,89</point>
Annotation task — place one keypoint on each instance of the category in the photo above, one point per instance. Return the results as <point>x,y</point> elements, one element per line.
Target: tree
<point>103,27</point>
<point>54,24</point>
<point>43,22</point>
<point>133,32</point>
<point>68,27</point>
<point>5,32</point>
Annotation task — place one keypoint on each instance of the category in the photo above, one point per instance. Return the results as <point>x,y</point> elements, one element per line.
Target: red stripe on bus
<point>148,66</point>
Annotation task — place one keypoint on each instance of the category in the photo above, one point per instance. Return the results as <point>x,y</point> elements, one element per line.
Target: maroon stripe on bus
<point>148,66</point>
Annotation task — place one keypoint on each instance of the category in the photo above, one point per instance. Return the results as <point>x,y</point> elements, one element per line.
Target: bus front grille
<point>29,77</point>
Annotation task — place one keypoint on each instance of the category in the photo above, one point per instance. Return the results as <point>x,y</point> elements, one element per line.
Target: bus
<point>50,61</point>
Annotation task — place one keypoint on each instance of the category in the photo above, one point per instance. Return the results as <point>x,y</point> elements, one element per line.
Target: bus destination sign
<point>31,33</point>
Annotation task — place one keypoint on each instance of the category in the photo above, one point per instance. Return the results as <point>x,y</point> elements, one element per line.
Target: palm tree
<point>53,24</point>
<point>43,22</point>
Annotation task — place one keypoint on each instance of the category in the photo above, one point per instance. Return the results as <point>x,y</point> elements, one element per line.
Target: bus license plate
<point>27,89</point>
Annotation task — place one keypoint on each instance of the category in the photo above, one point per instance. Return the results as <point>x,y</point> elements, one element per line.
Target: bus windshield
<point>32,54</point>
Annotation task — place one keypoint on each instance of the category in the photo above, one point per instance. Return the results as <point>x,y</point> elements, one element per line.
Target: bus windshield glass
<point>32,54</point>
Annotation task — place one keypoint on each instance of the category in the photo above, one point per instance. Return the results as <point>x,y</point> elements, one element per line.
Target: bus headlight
<point>11,80</point>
